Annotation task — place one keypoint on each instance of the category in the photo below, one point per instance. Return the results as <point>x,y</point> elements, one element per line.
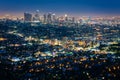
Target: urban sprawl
<point>50,47</point>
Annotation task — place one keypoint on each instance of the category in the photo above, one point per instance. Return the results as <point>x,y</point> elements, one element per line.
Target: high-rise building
<point>53,17</point>
<point>27,17</point>
<point>73,19</point>
<point>66,17</point>
<point>49,17</point>
<point>37,16</point>
<point>45,18</point>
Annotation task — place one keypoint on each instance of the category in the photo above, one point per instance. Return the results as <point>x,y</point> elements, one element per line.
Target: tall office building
<point>37,16</point>
<point>49,17</point>
<point>27,17</point>
<point>45,18</point>
<point>66,17</point>
<point>53,17</point>
<point>73,19</point>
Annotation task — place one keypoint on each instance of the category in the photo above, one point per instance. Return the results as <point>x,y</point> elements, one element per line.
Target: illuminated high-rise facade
<point>27,17</point>
<point>45,18</point>
<point>66,17</point>
<point>53,17</point>
<point>37,16</point>
<point>49,17</point>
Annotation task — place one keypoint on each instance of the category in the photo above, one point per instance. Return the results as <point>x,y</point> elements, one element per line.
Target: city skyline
<point>71,7</point>
<point>59,39</point>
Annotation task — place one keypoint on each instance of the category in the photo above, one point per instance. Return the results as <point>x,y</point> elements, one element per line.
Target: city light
<point>43,45</point>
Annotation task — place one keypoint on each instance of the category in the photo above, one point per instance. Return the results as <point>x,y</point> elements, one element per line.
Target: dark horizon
<point>61,7</point>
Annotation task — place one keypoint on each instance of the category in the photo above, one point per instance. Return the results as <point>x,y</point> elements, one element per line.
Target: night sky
<point>60,7</point>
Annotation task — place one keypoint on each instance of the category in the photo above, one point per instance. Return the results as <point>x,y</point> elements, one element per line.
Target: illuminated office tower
<point>66,17</point>
<point>37,16</point>
<point>89,20</point>
<point>81,21</point>
<point>53,17</point>
<point>73,19</point>
<point>27,17</point>
<point>49,18</point>
<point>45,18</point>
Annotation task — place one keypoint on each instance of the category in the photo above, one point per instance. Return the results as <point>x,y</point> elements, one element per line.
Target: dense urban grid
<point>51,47</point>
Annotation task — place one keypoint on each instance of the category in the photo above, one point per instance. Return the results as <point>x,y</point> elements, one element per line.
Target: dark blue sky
<point>72,7</point>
